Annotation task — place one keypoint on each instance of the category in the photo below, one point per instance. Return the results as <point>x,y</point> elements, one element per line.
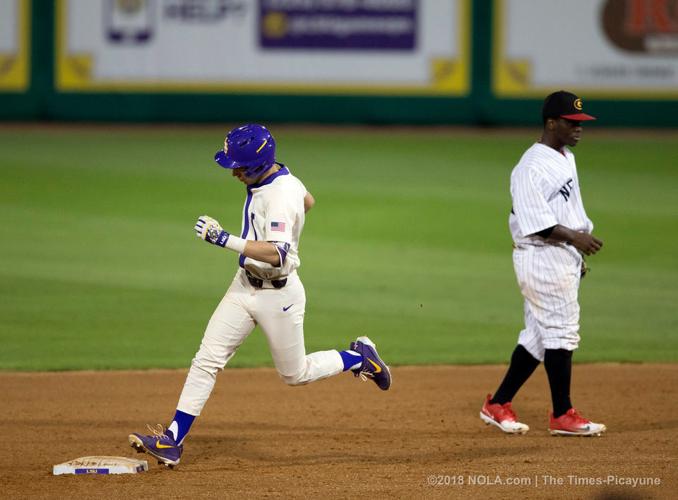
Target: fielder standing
<point>551,232</point>
<point>266,290</point>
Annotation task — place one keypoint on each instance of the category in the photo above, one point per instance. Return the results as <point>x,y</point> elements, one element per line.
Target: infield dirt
<point>341,438</point>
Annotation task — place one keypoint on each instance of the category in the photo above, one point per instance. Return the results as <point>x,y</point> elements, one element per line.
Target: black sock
<point>558,364</point>
<point>522,366</point>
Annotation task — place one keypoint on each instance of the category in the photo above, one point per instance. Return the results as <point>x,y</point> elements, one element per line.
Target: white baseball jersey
<point>545,192</point>
<point>274,211</point>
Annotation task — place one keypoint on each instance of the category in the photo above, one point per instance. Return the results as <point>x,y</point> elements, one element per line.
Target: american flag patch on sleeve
<point>278,226</point>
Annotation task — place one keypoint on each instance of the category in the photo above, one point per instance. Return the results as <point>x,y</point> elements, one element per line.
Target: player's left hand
<point>210,230</point>
<point>586,243</point>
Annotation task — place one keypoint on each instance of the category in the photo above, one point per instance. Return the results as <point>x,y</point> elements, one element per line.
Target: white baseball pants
<point>549,278</point>
<point>280,313</point>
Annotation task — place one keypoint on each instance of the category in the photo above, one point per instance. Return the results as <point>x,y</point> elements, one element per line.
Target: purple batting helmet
<point>251,147</point>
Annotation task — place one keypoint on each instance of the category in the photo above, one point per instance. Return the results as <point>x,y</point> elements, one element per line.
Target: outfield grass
<point>408,242</point>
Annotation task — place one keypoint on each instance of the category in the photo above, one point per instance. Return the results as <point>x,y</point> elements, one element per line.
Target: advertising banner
<point>391,47</point>
<point>603,48</point>
<point>14,45</point>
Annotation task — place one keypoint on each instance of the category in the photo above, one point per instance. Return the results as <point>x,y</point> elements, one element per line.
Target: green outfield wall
<point>494,74</point>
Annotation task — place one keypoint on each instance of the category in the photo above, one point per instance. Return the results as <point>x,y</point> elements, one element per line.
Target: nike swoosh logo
<point>286,308</point>
<point>162,446</point>
<point>377,368</point>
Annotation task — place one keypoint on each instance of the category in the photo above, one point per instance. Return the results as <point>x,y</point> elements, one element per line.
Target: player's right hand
<point>587,243</point>
<point>210,230</point>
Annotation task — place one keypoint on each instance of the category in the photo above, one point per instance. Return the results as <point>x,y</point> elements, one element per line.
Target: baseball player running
<point>266,290</point>
<point>551,232</point>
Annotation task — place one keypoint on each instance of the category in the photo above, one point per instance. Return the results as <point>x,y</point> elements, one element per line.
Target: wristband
<point>234,243</point>
<point>221,239</point>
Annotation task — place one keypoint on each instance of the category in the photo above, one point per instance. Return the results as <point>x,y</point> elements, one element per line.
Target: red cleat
<point>502,416</point>
<point>573,424</point>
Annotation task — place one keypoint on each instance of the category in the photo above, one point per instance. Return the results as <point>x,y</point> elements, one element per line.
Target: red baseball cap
<point>563,104</point>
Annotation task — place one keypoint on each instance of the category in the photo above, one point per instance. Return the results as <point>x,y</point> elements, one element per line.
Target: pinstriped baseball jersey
<point>545,192</point>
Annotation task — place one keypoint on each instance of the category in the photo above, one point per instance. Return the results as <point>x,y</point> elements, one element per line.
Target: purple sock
<point>180,426</point>
<point>350,359</point>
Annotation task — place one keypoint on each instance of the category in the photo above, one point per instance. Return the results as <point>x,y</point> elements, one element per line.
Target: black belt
<point>259,283</point>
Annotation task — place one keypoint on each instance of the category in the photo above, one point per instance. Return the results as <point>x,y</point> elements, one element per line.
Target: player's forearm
<point>211,231</point>
<point>584,242</point>
<point>263,251</point>
<point>558,233</point>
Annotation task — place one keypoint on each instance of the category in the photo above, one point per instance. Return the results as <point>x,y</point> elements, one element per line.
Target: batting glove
<point>210,230</point>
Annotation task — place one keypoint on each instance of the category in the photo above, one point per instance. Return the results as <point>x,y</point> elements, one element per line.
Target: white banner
<point>603,48</point>
<point>275,46</point>
<point>14,44</point>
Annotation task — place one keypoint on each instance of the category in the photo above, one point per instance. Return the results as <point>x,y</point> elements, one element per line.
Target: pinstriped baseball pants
<point>548,277</point>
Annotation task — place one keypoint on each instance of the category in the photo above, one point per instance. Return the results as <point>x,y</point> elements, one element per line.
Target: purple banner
<point>338,24</point>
